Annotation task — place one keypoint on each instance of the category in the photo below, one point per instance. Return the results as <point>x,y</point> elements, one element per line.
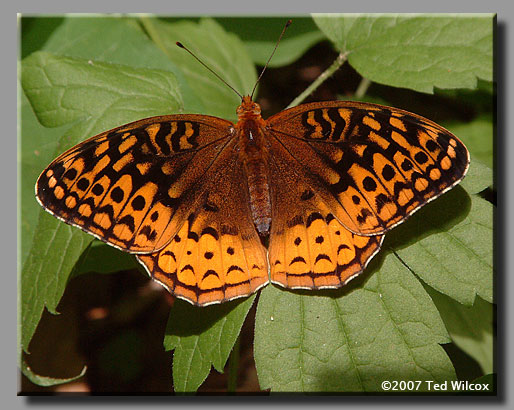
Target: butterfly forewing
<point>133,186</point>
<point>373,165</point>
<point>217,254</point>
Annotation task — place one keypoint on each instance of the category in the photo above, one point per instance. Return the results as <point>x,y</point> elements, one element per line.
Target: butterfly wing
<point>133,187</point>
<point>217,254</point>
<point>309,248</point>
<point>372,165</point>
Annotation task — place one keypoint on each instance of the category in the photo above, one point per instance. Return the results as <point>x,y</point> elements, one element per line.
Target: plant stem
<point>362,88</point>
<point>339,61</point>
<point>233,367</point>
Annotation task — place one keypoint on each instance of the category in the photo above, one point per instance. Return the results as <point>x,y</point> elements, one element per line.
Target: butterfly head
<point>248,109</point>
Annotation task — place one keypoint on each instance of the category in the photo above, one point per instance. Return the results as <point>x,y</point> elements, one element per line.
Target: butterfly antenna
<point>208,68</point>
<point>271,56</point>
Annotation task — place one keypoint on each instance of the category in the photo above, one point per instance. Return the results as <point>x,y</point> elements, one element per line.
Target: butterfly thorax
<point>250,131</point>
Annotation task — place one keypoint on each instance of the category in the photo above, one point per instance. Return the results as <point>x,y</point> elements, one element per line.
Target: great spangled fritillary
<point>193,196</point>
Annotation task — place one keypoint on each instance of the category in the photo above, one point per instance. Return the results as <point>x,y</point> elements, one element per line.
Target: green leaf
<point>35,32</point>
<point>419,52</point>
<point>202,337</point>
<point>107,39</point>
<point>470,328</point>
<point>47,381</point>
<point>37,147</point>
<point>260,35</point>
<point>478,178</point>
<point>102,258</point>
<point>55,250</point>
<point>222,52</point>
<point>63,90</point>
<point>489,379</point>
<point>449,245</point>
<point>478,137</point>
<point>350,340</point>
<point>119,41</point>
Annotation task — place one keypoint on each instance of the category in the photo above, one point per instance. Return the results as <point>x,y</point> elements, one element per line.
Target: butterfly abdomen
<point>260,202</point>
<point>254,155</point>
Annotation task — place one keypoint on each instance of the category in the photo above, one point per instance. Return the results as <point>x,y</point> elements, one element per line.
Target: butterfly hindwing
<point>374,165</point>
<point>217,254</point>
<point>133,186</point>
<point>309,247</point>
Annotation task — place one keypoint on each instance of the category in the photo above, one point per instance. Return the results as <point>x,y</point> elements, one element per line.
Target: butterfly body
<point>251,132</point>
<point>192,195</point>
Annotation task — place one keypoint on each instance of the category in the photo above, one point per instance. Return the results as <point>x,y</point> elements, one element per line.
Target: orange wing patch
<point>208,263</point>
<point>309,248</point>
<point>318,252</point>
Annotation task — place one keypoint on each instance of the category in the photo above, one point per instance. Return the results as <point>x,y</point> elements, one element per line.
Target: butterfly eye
<point>256,109</point>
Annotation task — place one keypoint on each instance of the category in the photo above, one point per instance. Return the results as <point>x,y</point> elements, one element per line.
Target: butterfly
<point>195,197</point>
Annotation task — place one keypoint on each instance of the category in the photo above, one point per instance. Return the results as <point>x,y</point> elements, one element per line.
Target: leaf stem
<point>338,62</point>
<point>233,367</point>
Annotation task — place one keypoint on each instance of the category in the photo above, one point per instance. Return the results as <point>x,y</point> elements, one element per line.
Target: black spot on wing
<point>297,259</point>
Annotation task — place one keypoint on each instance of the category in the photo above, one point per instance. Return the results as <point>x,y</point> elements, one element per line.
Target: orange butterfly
<point>195,196</point>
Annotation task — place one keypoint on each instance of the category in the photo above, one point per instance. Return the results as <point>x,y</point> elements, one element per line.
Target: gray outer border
<point>290,8</point>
